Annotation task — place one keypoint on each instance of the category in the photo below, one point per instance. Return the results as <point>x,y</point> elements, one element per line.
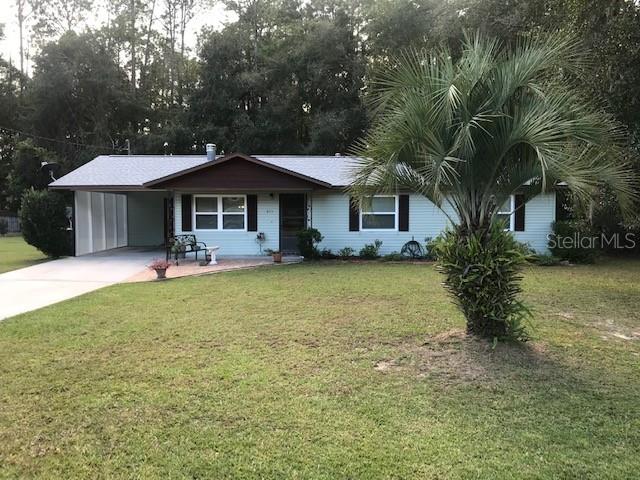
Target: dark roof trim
<point>234,190</point>
<point>101,188</point>
<point>231,156</point>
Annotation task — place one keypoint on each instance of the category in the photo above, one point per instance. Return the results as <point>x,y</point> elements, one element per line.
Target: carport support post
<point>73,225</point>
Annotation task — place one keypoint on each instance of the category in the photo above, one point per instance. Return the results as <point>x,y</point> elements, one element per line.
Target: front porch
<point>191,267</point>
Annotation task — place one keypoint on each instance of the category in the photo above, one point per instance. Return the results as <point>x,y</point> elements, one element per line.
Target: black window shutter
<point>519,212</point>
<point>403,212</point>
<point>186,212</point>
<point>252,213</point>
<point>354,215</point>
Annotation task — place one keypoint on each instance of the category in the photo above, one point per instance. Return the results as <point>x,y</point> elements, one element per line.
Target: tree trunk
<point>147,49</point>
<point>21,19</point>
<point>181,69</point>
<point>133,47</point>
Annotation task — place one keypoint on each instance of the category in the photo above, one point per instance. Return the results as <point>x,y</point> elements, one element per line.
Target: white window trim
<point>395,213</point>
<point>219,213</point>
<point>512,216</point>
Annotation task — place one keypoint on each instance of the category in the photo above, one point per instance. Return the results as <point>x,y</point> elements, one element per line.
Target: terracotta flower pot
<point>161,273</point>
<point>277,257</point>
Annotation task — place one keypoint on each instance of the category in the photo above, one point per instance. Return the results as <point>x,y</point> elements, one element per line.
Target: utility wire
<point>56,140</point>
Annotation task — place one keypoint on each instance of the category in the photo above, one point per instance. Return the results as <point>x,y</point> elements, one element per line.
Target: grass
<point>323,371</point>
<point>16,253</point>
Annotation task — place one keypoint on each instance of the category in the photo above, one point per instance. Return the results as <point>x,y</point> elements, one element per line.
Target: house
<point>228,200</point>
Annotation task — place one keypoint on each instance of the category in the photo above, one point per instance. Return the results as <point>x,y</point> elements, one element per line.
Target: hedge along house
<point>232,200</point>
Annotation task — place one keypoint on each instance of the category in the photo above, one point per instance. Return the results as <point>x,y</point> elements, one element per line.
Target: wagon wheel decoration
<point>412,249</point>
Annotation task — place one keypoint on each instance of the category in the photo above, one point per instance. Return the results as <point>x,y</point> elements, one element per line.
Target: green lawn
<point>323,371</point>
<point>16,253</point>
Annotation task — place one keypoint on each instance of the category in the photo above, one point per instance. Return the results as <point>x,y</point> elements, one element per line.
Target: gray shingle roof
<point>132,171</point>
<point>126,171</point>
<point>336,171</point>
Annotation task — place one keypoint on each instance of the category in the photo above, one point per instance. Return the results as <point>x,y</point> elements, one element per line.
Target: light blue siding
<point>239,242</point>
<point>331,217</point>
<point>540,213</point>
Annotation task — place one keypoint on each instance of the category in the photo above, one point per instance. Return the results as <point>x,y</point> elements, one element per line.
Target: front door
<point>293,218</point>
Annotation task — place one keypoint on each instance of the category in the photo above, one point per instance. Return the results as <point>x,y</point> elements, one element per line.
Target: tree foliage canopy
<point>279,76</point>
<point>473,130</point>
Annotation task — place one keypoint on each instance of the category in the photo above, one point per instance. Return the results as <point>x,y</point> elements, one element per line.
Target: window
<point>380,213</point>
<point>206,213</point>
<point>505,213</point>
<point>224,212</point>
<point>233,213</point>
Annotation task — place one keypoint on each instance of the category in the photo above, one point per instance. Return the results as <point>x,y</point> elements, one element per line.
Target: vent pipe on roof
<point>211,151</point>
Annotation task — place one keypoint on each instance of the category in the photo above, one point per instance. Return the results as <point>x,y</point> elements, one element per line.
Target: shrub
<point>395,257</point>
<point>525,249</point>
<point>308,240</point>
<point>44,222</point>
<point>574,241</point>
<point>371,250</point>
<point>482,274</point>
<point>346,252</point>
<point>4,226</point>
<point>430,252</point>
<point>546,260</point>
<point>327,254</point>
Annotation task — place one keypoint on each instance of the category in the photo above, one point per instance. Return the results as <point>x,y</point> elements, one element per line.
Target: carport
<point>113,208</point>
<point>107,220</point>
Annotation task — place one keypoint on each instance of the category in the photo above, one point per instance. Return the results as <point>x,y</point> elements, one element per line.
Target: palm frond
<point>471,132</point>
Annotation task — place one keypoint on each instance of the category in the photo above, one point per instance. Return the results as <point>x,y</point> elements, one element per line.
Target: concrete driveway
<point>51,282</point>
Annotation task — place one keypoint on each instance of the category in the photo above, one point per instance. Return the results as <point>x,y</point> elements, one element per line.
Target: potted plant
<point>160,266</point>
<point>179,250</point>
<point>277,256</point>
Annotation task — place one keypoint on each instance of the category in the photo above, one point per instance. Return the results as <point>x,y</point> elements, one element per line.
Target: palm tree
<point>470,132</point>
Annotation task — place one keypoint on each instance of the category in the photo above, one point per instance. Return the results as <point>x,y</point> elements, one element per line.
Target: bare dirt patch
<point>612,330</point>
<point>609,328</point>
<point>454,357</point>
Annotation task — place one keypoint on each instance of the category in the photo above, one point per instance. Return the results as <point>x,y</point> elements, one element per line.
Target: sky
<point>9,47</point>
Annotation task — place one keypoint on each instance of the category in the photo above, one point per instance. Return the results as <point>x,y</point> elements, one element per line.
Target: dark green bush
<point>308,240</point>
<point>371,250</point>
<point>395,257</point>
<point>4,226</point>
<point>44,222</point>
<point>574,241</point>
<point>346,252</point>
<point>526,250</point>
<point>482,273</point>
<point>430,252</point>
<point>327,254</point>
<point>546,260</point>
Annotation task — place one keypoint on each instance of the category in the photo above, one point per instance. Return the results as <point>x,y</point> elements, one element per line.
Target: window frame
<point>512,216</point>
<point>219,213</point>
<point>395,215</point>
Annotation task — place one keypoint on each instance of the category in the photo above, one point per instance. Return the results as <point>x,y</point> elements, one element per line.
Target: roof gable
<point>237,172</point>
